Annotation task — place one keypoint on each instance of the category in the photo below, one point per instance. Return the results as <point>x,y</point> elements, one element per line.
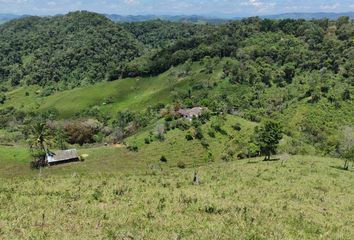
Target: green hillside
<point>63,52</point>
<point>303,198</point>
<point>109,97</point>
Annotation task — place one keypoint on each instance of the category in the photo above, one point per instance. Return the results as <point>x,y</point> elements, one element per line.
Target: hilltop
<point>76,49</point>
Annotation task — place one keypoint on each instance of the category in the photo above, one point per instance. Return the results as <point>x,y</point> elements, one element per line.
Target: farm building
<point>189,113</point>
<point>62,156</point>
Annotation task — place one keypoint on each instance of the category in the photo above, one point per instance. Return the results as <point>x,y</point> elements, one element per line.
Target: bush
<point>2,98</point>
<point>182,124</point>
<point>211,133</point>
<point>209,157</point>
<point>39,159</point>
<point>189,137</point>
<point>168,118</point>
<point>230,152</point>
<point>241,155</point>
<point>204,143</point>
<point>181,165</point>
<point>225,157</point>
<point>198,134</point>
<point>237,127</point>
<point>79,133</point>
<point>133,148</point>
<point>147,140</point>
<point>163,159</point>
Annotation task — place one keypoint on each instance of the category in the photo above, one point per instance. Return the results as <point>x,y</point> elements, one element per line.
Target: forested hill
<point>74,49</point>
<point>300,72</point>
<point>82,48</point>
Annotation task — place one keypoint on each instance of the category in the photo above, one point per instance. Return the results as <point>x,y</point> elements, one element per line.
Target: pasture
<point>302,198</point>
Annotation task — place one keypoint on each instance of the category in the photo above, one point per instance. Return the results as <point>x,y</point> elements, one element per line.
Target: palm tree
<point>37,138</point>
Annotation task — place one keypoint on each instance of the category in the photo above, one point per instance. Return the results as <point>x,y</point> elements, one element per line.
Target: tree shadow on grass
<point>272,160</point>
<point>343,169</point>
<point>252,162</point>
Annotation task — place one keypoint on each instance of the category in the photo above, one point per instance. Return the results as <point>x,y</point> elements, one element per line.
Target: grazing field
<point>108,97</point>
<point>113,158</point>
<point>301,198</point>
<point>119,194</point>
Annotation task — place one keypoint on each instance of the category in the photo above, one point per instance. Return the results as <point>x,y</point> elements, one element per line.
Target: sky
<point>175,7</point>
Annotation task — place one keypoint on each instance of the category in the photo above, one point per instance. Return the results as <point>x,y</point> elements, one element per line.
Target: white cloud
<point>329,7</point>
<point>130,2</point>
<point>259,5</point>
<point>13,1</point>
<point>51,3</point>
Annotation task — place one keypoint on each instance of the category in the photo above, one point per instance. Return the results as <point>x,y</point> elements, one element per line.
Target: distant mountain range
<point>307,16</point>
<point>201,19</point>
<point>177,18</point>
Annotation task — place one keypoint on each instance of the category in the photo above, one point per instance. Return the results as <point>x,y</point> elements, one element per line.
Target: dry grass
<point>305,198</point>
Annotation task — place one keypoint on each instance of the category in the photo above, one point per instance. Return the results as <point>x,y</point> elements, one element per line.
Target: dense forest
<point>72,50</point>
<point>298,72</point>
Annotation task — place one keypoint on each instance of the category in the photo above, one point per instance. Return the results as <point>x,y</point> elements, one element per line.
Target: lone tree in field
<point>268,137</point>
<point>38,132</point>
<point>346,146</point>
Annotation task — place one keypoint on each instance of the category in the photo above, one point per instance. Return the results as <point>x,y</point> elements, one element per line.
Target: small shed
<point>62,156</point>
<point>189,113</point>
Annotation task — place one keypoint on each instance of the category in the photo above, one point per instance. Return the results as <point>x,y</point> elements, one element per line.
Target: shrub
<point>181,165</point>
<point>204,143</point>
<point>163,159</point>
<point>211,133</point>
<point>168,118</point>
<point>108,100</point>
<point>160,131</point>
<point>230,152</point>
<point>2,98</point>
<point>3,89</point>
<point>133,148</point>
<point>189,137</point>
<point>241,155</point>
<point>182,124</point>
<point>39,159</point>
<point>237,127</point>
<point>196,123</point>
<point>147,140</point>
<point>79,133</point>
<point>209,157</point>
<point>198,134</point>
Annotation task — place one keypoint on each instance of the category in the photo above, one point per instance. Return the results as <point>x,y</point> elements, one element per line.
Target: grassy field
<point>130,93</point>
<point>118,194</point>
<point>302,198</point>
<point>114,158</point>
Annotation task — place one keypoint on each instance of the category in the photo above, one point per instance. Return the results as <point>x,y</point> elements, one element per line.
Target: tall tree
<point>38,133</point>
<point>268,137</point>
<point>346,146</point>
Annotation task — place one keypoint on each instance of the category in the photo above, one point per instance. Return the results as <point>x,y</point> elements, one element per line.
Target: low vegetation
<point>305,198</point>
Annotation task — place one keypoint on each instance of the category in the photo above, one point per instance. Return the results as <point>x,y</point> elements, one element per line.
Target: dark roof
<point>63,155</point>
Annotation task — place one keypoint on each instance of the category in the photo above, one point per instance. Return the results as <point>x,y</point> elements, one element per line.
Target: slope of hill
<point>140,156</point>
<point>75,49</point>
<point>303,198</point>
<point>8,17</point>
<point>295,71</point>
